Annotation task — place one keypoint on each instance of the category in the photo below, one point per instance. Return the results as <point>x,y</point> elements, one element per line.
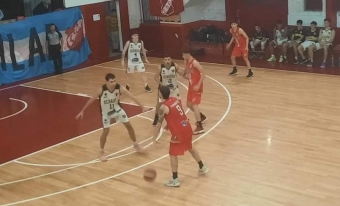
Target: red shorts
<point>239,52</point>
<point>194,97</point>
<point>184,144</point>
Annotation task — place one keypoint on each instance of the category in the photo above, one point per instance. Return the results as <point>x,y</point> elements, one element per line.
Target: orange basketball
<point>150,175</point>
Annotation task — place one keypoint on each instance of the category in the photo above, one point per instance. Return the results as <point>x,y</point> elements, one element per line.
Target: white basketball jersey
<point>134,52</point>
<point>279,34</point>
<point>326,35</point>
<point>168,76</point>
<point>109,101</point>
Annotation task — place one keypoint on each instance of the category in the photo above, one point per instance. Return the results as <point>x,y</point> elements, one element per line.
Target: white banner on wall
<point>72,3</point>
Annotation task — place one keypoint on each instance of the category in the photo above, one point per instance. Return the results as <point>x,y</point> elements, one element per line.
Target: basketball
<point>150,175</point>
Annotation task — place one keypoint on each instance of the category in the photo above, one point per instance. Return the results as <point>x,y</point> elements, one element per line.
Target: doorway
<point>113,24</point>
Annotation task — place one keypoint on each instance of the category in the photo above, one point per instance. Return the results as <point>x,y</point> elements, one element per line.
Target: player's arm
<point>89,102</point>
<point>320,35</point>
<point>232,38</point>
<point>124,50</point>
<point>274,36</point>
<point>332,36</point>
<point>243,33</point>
<point>157,75</point>
<point>162,111</point>
<point>179,70</point>
<point>144,52</point>
<point>129,95</point>
<point>198,66</point>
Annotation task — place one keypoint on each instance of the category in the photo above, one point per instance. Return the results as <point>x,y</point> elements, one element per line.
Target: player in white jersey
<point>109,95</point>
<point>280,37</point>
<point>167,76</point>
<point>134,48</point>
<point>326,38</point>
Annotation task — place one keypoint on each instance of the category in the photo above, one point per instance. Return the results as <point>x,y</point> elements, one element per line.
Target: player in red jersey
<point>241,40</point>
<point>181,133</point>
<point>194,73</point>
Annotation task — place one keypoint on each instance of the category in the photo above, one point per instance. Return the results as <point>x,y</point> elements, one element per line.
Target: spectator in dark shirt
<point>297,38</point>
<point>260,36</point>
<point>311,38</point>
<point>42,8</point>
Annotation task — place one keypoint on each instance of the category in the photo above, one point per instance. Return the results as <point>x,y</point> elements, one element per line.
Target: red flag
<point>164,8</point>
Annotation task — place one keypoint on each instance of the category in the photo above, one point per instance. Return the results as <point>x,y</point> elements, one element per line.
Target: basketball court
<point>272,140</point>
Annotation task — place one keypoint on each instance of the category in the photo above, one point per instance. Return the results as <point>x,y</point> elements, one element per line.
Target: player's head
<point>313,25</point>
<point>52,27</point>
<point>299,23</point>
<point>234,24</point>
<point>135,36</point>
<point>279,24</point>
<point>186,54</point>
<point>257,27</point>
<point>110,79</point>
<point>167,59</point>
<point>327,22</point>
<point>113,12</point>
<point>164,92</point>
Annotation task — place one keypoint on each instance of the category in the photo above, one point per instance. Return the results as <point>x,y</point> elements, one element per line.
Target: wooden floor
<point>273,140</point>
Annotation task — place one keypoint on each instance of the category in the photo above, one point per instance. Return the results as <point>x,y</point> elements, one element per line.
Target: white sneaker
<point>173,183</point>
<point>272,59</point>
<point>281,59</point>
<point>203,171</point>
<point>102,156</point>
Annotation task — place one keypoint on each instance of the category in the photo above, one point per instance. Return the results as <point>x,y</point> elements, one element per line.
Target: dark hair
<point>109,76</point>
<point>299,21</point>
<point>186,51</point>
<point>165,92</point>
<point>166,55</point>
<point>234,21</point>
<point>327,19</point>
<point>113,10</point>
<point>314,23</point>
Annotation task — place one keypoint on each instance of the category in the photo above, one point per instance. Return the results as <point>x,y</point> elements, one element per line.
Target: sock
<point>202,115</point>
<point>249,70</point>
<point>156,117</point>
<point>200,164</point>
<point>234,68</point>
<point>285,57</point>
<point>145,85</point>
<point>174,175</point>
<point>296,58</point>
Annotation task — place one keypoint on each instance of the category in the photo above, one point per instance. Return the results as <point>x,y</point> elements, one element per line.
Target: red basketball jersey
<point>177,120</point>
<point>194,76</point>
<point>240,40</point>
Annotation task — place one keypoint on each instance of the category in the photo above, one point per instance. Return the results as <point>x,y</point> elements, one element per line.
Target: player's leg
<point>158,105</point>
<point>272,46</point>
<point>263,47</point>
<point>106,129</point>
<point>311,50</point>
<point>175,150</point>
<point>122,117</point>
<point>194,99</point>
<point>296,54</point>
<point>246,60</point>
<point>301,49</point>
<point>233,62</point>
<point>253,44</point>
<point>285,46</point>
<point>129,71</point>
<point>325,55</point>
<point>141,69</point>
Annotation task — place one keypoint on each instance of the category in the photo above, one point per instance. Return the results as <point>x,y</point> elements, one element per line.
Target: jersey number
<point>136,54</point>
<point>180,110</point>
<point>112,107</point>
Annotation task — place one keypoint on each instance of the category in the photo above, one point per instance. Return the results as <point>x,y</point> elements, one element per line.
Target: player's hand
<point>228,46</point>
<point>196,88</point>
<point>80,115</point>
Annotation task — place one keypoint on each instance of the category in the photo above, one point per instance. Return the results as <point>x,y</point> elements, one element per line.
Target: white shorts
<point>138,66</point>
<point>173,93</point>
<point>321,45</point>
<point>118,116</point>
<point>307,44</point>
<point>291,43</point>
<point>279,42</point>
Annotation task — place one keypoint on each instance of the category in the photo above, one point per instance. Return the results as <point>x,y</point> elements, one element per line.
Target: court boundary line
<point>66,165</point>
<point>140,166</point>
<point>23,109</point>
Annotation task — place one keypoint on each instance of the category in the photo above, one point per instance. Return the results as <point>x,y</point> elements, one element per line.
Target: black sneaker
<point>147,88</point>
<point>127,87</point>
<point>234,72</point>
<point>303,61</point>
<point>284,60</point>
<point>155,120</point>
<point>250,74</point>
<point>296,61</point>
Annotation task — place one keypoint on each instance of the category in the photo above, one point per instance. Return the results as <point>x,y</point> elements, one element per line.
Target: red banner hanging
<point>164,8</point>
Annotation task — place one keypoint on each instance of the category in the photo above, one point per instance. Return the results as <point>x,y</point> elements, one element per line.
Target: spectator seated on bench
<point>260,37</point>
<point>280,37</point>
